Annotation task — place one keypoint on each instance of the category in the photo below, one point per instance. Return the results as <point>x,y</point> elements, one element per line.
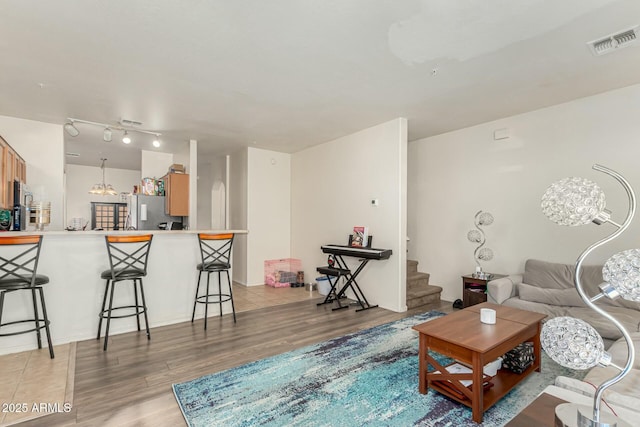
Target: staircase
<point>419,291</point>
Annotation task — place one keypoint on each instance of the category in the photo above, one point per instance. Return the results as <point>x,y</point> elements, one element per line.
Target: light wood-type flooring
<point>130,384</point>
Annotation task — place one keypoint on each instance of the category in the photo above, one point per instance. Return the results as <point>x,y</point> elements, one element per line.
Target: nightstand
<point>474,290</point>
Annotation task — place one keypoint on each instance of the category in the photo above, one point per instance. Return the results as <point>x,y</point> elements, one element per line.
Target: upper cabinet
<point>12,168</point>
<point>176,187</point>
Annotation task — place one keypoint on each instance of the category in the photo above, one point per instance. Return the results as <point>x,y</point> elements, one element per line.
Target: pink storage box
<point>279,273</point>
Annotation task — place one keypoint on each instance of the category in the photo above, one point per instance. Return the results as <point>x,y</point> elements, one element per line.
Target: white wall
<point>41,145</point>
<point>238,212</point>
<point>205,182</point>
<point>192,167</point>
<point>332,186</point>
<point>268,210</point>
<point>452,176</point>
<point>211,169</point>
<point>154,164</point>
<point>183,155</point>
<point>81,178</point>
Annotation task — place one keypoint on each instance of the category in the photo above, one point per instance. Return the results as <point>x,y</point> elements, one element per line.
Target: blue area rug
<point>369,378</point>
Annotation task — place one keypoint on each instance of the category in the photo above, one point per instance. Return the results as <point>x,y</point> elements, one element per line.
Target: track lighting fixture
<point>124,125</point>
<point>71,129</point>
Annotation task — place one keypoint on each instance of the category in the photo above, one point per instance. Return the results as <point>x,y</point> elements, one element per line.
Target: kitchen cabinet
<point>12,168</point>
<point>176,187</point>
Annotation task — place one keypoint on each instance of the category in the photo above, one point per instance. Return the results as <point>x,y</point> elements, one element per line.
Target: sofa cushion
<point>560,276</point>
<point>566,297</point>
<point>619,351</point>
<point>551,275</point>
<point>607,330</point>
<point>628,317</point>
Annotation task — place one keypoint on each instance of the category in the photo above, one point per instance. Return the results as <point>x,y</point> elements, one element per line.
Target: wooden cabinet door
<point>9,163</point>
<point>3,185</point>
<point>23,171</point>
<point>12,168</point>
<point>17,168</point>
<point>177,194</point>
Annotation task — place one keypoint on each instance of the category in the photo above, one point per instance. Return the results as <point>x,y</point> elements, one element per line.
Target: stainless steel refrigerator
<point>147,213</point>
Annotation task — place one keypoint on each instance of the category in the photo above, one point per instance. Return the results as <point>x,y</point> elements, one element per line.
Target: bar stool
<point>18,265</point>
<point>128,257</point>
<point>215,250</point>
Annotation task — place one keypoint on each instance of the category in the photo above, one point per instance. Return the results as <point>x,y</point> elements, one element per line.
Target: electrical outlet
<point>375,202</point>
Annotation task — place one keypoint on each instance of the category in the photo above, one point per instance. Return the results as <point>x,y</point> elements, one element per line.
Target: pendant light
<point>103,189</point>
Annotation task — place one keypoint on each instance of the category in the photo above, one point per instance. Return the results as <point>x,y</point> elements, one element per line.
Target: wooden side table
<point>540,412</point>
<point>474,290</point>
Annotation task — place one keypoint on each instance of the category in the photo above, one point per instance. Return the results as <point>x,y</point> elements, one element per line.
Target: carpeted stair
<point>419,291</point>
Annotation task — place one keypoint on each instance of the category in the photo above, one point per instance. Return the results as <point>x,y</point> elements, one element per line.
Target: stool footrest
<point>140,309</point>
<point>44,322</point>
<point>333,271</point>
<point>202,299</point>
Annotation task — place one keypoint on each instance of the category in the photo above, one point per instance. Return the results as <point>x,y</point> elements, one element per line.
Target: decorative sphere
<point>573,201</point>
<point>474,236</point>
<point>485,218</point>
<point>622,271</point>
<point>485,254</point>
<point>572,343</point>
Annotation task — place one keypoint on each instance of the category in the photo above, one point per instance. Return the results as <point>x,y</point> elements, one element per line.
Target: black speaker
<point>457,303</point>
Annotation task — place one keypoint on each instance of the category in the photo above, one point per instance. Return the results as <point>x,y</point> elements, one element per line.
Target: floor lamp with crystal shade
<point>482,219</point>
<point>574,343</point>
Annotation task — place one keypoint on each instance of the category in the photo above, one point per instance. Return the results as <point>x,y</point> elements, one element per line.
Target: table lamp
<point>574,343</point>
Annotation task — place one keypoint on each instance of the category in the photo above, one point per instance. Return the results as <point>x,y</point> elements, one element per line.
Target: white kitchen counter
<point>73,260</point>
<point>123,232</point>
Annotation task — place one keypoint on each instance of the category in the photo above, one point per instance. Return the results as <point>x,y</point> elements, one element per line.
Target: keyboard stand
<point>342,270</point>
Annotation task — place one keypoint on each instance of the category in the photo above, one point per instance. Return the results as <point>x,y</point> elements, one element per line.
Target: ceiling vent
<point>613,42</point>
<point>132,123</point>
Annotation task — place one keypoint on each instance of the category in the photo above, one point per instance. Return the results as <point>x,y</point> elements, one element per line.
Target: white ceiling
<point>289,74</point>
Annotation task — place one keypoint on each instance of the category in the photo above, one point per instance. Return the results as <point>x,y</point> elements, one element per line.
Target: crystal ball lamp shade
<point>485,218</point>
<point>573,201</point>
<point>474,236</point>
<point>622,272</point>
<point>572,343</point>
<point>485,254</point>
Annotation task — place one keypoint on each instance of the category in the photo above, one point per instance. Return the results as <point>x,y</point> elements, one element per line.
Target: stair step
<point>412,266</point>
<point>417,276</point>
<point>425,295</point>
<point>417,281</point>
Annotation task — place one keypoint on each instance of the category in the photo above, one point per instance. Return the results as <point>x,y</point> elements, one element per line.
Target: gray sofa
<point>548,288</point>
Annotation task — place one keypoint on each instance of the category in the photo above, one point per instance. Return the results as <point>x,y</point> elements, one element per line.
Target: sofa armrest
<point>625,413</point>
<point>499,290</point>
<point>574,385</point>
<point>628,402</point>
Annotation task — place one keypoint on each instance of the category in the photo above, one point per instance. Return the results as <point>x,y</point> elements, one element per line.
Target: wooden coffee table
<point>461,336</point>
